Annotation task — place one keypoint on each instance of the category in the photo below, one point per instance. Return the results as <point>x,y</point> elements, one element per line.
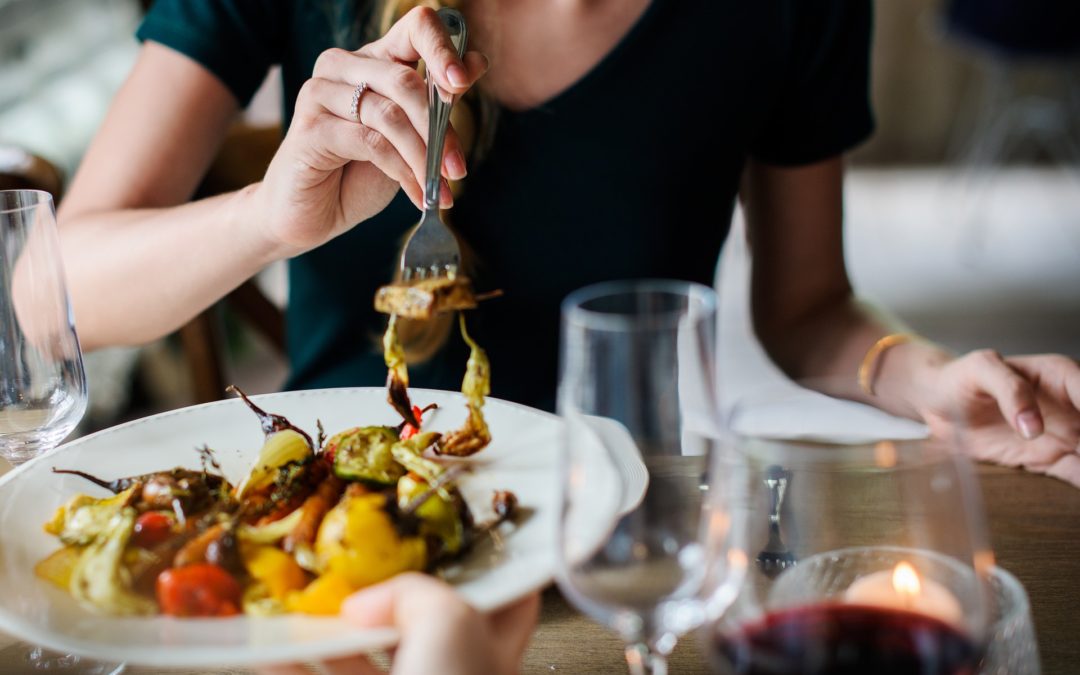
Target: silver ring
<point>354,107</point>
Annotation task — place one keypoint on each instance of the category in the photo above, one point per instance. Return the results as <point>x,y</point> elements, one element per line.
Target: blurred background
<point>963,211</point>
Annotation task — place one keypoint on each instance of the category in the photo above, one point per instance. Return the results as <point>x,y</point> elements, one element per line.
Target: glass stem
<point>644,660</point>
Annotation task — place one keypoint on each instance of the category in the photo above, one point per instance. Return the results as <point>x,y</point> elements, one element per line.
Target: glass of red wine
<point>862,554</point>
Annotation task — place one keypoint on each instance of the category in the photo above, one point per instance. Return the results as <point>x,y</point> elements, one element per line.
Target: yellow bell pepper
<point>275,568</point>
<point>359,542</point>
<point>322,596</point>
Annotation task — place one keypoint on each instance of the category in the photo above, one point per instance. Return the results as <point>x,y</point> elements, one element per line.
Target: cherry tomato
<point>198,590</point>
<point>152,528</point>
<point>408,431</point>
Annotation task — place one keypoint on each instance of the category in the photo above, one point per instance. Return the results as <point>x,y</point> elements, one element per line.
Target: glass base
<point>20,659</point>
<point>20,448</point>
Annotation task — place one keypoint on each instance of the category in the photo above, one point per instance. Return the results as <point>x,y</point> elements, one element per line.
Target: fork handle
<point>439,110</point>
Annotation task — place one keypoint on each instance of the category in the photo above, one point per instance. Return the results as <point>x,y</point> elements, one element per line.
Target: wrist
<point>249,213</point>
<point>908,375</point>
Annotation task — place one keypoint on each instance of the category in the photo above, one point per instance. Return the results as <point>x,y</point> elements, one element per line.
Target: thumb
<point>392,602</point>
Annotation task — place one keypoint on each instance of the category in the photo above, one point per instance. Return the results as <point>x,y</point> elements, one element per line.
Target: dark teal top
<point>632,172</point>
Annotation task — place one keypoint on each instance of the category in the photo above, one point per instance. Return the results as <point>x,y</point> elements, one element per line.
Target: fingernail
<point>455,165</point>
<point>1029,424</point>
<point>457,76</point>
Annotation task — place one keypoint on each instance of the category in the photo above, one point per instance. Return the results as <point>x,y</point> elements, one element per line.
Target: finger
<point>358,142</point>
<point>453,152</point>
<point>350,665</point>
<point>1058,375</point>
<point>374,110</point>
<point>392,602</point>
<point>1035,455</point>
<point>1067,468</point>
<point>420,34</point>
<point>399,83</point>
<point>1014,394</point>
<point>512,627</point>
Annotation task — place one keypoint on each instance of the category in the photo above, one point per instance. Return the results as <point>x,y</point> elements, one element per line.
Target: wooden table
<point>1035,529</point>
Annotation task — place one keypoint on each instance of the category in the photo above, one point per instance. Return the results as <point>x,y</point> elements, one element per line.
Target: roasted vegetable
<point>198,590</point>
<point>410,454</point>
<point>271,532</point>
<point>364,453</point>
<point>322,596</point>
<point>397,374</point>
<point>424,298</point>
<point>312,512</point>
<point>274,569</point>
<point>59,566</point>
<point>194,552</point>
<point>180,489</point>
<point>83,519</point>
<point>284,444</point>
<point>152,528</point>
<point>475,435</point>
<point>439,517</point>
<point>407,431</point>
<point>362,541</point>
<point>99,580</point>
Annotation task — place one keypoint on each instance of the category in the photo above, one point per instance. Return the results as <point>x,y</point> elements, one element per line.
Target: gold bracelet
<point>868,367</point>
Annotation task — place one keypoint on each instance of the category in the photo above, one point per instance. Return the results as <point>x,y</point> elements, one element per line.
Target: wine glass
<point>887,565</point>
<point>42,381</point>
<point>637,394</point>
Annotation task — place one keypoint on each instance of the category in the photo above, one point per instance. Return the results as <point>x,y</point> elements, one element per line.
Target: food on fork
<point>424,298</point>
<point>311,522</point>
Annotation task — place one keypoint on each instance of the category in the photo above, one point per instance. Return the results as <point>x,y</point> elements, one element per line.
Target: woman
<point>624,128</point>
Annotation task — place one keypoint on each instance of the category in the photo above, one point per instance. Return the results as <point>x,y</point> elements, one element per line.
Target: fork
<point>432,249</point>
<point>775,557</point>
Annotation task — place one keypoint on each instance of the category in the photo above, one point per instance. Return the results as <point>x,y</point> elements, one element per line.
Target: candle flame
<point>905,580</point>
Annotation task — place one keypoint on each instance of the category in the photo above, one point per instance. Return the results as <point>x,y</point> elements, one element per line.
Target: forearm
<point>828,346</point>
<point>135,275</point>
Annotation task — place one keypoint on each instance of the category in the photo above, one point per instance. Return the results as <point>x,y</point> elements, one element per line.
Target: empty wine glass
<point>888,566</point>
<point>637,393</point>
<point>42,382</point>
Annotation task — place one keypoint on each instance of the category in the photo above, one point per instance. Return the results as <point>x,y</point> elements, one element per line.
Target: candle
<point>902,588</point>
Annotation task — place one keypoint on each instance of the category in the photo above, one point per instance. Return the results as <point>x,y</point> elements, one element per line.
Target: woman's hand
<point>440,633</point>
<point>1017,411</point>
<point>333,171</point>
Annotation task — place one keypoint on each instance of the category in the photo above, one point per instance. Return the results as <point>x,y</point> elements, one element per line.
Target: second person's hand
<point>440,633</point>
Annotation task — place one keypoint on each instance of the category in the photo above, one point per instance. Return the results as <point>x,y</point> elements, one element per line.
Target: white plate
<point>523,458</point>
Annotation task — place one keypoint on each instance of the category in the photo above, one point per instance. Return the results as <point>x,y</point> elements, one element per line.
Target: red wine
<point>834,639</point>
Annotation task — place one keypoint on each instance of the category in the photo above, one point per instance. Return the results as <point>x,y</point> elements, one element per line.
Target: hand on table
<point>440,633</point>
<point>1017,411</point>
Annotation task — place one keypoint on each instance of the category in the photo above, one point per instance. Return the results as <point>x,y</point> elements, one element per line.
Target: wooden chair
<point>23,170</point>
<point>242,160</point>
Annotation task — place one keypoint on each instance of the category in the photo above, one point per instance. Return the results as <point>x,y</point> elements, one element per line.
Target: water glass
<point>637,393</point>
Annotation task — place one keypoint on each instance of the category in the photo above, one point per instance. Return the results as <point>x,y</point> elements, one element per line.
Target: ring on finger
<point>354,107</point>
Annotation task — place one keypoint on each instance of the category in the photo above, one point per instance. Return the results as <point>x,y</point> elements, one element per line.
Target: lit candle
<point>902,588</point>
